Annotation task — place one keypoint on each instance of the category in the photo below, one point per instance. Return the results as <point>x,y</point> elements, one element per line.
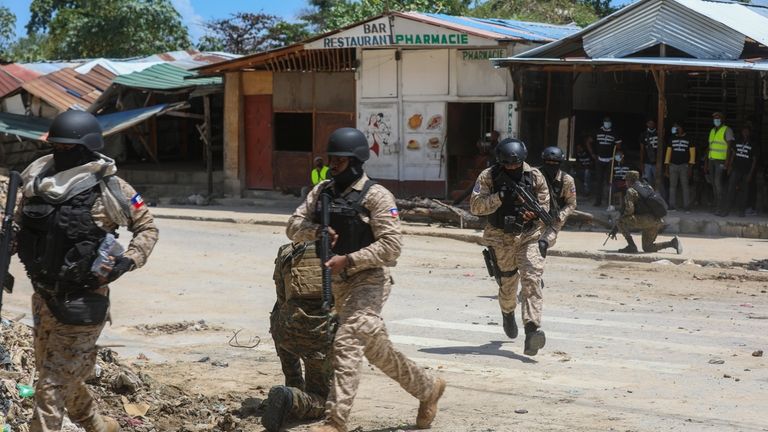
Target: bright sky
<point>194,12</point>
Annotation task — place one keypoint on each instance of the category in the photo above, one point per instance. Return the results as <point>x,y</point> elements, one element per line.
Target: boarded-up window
<point>477,77</point>
<point>335,92</point>
<point>293,91</point>
<point>425,72</point>
<point>379,73</point>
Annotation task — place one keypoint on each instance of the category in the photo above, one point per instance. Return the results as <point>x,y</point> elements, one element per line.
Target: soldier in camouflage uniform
<point>366,239</point>
<point>512,235</point>
<point>71,201</point>
<point>562,198</point>
<point>634,215</point>
<point>302,333</point>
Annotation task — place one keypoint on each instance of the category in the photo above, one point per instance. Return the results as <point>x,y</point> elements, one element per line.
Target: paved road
<point>629,344</point>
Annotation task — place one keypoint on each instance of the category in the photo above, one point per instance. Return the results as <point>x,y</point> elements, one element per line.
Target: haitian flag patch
<point>137,202</point>
<point>394,212</point>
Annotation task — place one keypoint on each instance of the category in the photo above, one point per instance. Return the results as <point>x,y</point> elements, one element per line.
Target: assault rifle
<point>612,234</point>
<point>324,249</point>
<point>530,202</point>
<point>6,279</point>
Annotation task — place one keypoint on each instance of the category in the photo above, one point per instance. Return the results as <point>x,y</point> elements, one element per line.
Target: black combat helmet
<point>553,154</point>
<point>76,127</point>
<point>349,142</point>
<point>510,151</point>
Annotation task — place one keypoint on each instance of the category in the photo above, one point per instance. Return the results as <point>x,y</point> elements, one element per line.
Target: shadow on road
<point>492,348</point>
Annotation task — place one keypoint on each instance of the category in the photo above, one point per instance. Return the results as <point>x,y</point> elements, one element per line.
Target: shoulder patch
<point>477,187</point>
<point>137,202</point>
<point>394,213</point>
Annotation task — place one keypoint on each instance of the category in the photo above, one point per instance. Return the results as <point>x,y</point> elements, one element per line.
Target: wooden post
<point>660,77</point>
<point>547,106</point>
<point>208,143</point>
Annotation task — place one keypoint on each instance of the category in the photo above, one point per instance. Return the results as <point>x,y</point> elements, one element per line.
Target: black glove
<point>122,265</point>
<point>613,233</point>
<point>543,246</point>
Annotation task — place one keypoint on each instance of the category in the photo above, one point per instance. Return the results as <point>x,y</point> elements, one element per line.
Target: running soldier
<point>512,237</point>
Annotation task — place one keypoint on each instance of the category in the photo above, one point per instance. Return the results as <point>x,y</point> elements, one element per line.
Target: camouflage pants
<point>648,225</point>
<point>310,389</point>
<point>361,332</point>
<point>65,356</point>
<point>520,253</point>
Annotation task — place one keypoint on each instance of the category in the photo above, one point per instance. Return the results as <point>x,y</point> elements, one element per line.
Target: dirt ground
<point>630,346</point>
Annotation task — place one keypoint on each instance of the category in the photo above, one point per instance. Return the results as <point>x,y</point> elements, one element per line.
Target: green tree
<point>602,8</point>
<point>7,32</point>
<point>108,28</point>
<point>30,48</point>
<point>329,15</point>
<point>247,33</point>
<point>548,11</point>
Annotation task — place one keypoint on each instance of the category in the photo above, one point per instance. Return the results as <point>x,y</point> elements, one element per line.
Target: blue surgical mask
<point>618,158</point>
<point>674,131</point>
<point>607,125</point>
<point>717,122</point>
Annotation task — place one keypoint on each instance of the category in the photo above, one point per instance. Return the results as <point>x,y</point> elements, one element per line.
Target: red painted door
<point>258,141</point>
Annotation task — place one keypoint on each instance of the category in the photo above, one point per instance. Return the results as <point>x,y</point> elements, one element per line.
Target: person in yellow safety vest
<point>721,141</point>
<point>319,172</point>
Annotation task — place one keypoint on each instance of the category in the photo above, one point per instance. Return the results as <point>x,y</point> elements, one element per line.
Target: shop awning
<point>629,63</point>
<point>36,128</point>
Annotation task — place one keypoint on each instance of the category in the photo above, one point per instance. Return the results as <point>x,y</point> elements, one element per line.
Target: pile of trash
<point>134,398</point>
<point>758,265</point>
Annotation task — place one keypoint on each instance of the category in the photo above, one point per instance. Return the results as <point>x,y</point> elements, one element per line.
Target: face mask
<point>550,170</point>
<point>607,125</point>
<point>617,158</point>
<point>674,131</point>
<point>652,130</point>
<point>717,122</point>
<point>515,174</point>
<point>345,178</point>
<point>68,159</point>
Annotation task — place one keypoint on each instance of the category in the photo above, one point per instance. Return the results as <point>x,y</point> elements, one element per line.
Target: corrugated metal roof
<point>35,128</point>
<point>189,59</point>
<point>165,77</point>
<point>8,83</point>
<point>43,68</point>
<point>99,77</point>
<point>12,76</point>
<point>499,29</point>
<point>63,90</point>
<point>648,61</point>
<point>704,29</point>
<point>669,22</point>
<point>117,67</point>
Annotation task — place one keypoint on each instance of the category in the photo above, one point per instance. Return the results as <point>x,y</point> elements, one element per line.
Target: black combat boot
<point>510,326</point>
<point>677,245</point>
<point>279,404</point>
<point>631,246</point>
<point>534,339</point>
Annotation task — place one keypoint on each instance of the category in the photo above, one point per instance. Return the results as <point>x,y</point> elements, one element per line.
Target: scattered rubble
<point>758,353</point>
<point>177,327</point>
<point>133,397</point>
<point>758,265</point>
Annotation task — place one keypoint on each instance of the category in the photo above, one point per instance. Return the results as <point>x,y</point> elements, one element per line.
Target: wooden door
<point>258,141</point>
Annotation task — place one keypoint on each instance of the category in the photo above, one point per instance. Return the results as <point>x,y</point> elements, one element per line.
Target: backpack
<point>649,202</point>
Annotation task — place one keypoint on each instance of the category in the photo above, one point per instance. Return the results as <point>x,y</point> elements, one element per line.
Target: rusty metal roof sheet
<point>12,76</point>
<point>99,77</point>
<point>63,90</point>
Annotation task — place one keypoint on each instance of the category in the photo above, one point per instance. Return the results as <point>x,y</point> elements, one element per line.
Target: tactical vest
<point>59,242</point>
<point>510,212</point>
<point>556,199</point>
<point>346,211</point>
<point>302,273</point>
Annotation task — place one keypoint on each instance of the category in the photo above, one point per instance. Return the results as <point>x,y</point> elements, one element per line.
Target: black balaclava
<point>345,178</point>
<point>515,174</point>
<point>550,170</point>
<point>74,157</point>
